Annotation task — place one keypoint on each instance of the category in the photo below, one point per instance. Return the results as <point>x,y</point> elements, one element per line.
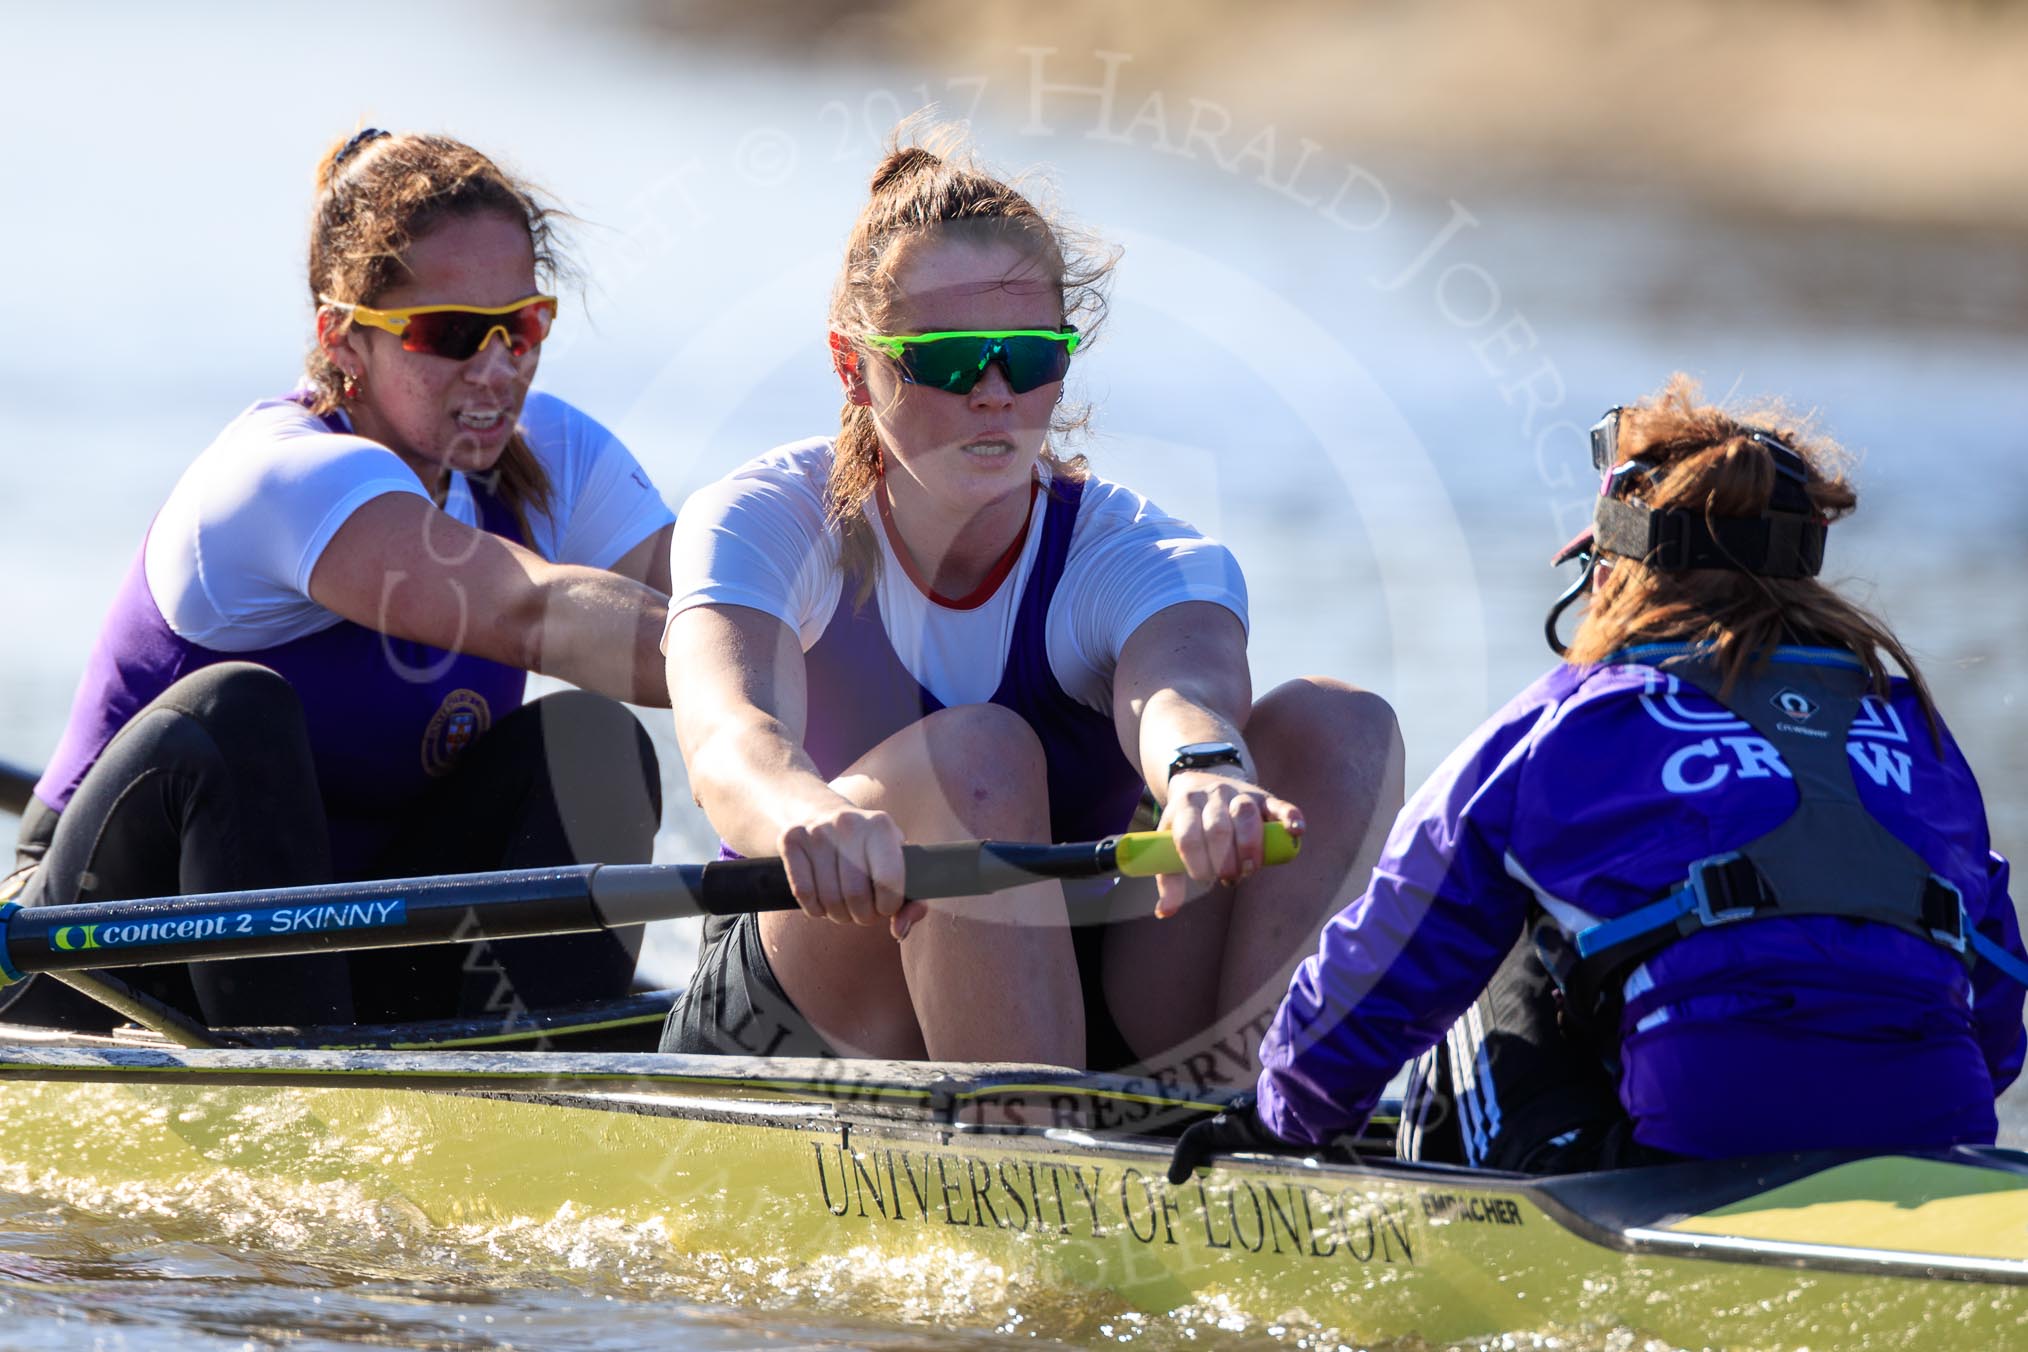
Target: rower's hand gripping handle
<point>1144,854</point>
<point>736,886</point>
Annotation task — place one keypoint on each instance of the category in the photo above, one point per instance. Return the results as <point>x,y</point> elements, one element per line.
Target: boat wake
<point>178,1259</point>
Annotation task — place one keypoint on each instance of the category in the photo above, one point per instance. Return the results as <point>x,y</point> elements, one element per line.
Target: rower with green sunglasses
<point>937,624</point>
<point>314,670</point>
<point>954,362</point>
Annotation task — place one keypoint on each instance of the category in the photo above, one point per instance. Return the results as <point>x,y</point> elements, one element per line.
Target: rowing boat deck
<point>792,1166</point>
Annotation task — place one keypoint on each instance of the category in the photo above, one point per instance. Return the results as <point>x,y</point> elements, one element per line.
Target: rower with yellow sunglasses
<point>459,331</point>
<point>316,668</point>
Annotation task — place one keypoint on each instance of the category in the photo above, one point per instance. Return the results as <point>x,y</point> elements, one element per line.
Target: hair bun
<point>341,151</point>
<point>904,162</point>
<point>327,166</point>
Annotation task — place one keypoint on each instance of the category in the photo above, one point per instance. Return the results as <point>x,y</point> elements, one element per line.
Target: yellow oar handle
<point>1143,854</point>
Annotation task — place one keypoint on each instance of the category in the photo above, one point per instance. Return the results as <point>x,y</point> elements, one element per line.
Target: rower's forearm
<point>754,781</point>
<point>1173,717</point>
<point>603,632</point>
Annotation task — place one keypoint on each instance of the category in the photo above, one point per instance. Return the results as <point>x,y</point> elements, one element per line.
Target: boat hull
<point>886,1176</point>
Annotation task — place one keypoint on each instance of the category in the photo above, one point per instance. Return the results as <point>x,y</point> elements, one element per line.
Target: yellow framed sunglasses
<point>459,331</point>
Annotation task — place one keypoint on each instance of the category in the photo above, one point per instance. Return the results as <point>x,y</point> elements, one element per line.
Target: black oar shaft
<point>277,922</point>
<point>634,894</point>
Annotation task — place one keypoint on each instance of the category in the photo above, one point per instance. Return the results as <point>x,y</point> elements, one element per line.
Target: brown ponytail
<point>918,189</point>
<point>376,195</point>
<point>1707,463</point>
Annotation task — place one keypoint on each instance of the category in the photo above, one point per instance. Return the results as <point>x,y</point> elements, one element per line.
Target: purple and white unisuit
<point>224,575</point>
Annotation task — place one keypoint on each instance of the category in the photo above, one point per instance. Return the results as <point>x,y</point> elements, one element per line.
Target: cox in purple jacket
<point>1589,796</point>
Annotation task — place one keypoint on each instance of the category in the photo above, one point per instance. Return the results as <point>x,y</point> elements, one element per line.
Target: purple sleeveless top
<point>386,716</point>
<point>861,694</point>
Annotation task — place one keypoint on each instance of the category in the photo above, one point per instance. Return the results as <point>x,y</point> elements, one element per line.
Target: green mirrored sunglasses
<point>956,360</point>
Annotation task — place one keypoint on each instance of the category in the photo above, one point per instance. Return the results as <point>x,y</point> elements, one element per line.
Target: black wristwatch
<point>1202,756</point>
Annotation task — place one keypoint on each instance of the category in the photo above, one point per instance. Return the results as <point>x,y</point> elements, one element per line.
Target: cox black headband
<point>1785,541</point>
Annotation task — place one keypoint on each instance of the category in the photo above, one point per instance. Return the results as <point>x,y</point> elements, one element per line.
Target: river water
<point>1371,384</point>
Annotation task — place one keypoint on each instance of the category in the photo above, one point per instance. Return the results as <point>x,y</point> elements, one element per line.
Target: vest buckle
<point>1727,887</point>
<point>1943,913</point>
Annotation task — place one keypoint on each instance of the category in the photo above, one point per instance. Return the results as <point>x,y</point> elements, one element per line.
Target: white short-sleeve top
<point>758,538</point>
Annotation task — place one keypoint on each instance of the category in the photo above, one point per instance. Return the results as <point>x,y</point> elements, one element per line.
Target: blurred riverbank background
<point>1883,112</point>
<point>1382,264</point>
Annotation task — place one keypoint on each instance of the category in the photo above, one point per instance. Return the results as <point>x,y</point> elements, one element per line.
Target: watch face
<point>1203,755</point>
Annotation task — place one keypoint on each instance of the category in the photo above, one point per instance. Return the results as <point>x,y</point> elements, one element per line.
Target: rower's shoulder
<point>783,485</point>
<point>280,419</point>
<point>274,442</point>
<point>804,464</point>
<point>1106,508</point>
<point>811,457</point>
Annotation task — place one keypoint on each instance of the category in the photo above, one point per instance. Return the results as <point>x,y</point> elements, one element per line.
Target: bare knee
<point>1321,719</point>
<point>990,769</point>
